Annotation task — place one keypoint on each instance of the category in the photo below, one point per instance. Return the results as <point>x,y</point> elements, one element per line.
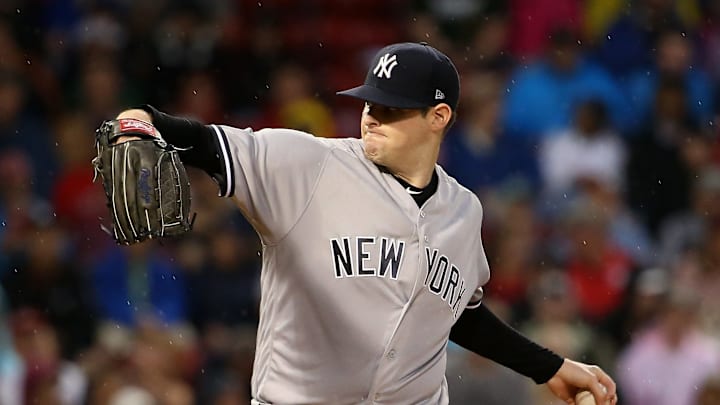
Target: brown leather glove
<point>146,185</point>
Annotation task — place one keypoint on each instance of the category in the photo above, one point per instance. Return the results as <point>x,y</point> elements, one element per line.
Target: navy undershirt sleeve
<point>198,146</point>
<point>483,333</point>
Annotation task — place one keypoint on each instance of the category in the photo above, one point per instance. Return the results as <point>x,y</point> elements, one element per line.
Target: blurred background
<point>587,128</point>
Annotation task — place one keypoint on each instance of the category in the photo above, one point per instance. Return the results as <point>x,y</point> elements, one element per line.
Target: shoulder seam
<point>328,153</point>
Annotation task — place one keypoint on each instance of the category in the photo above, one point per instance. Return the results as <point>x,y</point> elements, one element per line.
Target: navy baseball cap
<point>409,75</point>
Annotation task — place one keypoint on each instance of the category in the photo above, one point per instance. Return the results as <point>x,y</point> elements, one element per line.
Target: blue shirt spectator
<point>674,60</point>
<point>28,132</point>
<point>542,95</point>
<point>479,167</point>
<point>629,42</point>
<point>135,284</point>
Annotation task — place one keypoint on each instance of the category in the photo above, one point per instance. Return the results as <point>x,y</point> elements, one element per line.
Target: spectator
<point>535,21</point>
<point>662,162</point>
<point>667,363</point>
<point>471,377</point>
<point>710,392</point>
<point>684,231</point>
<point>49,379</point>
<point>19,205</point>
<point>598,270</point>
<point>542,94</point>
<point>47,279</point>
<point>589,149</point>
<point>225,290</point>
<point>489,47</point>
<point>514,269</point>
<point>12,369</point>
<point>674,60</point>
<point>22,129</point>
<point>137,285</point>
<point>630,38</point>
<point>555,321</point>
<point>150,365</point>
<point>294,103</point>
<point>699,270</point>
<point>476,151</point>
<point>199,97</point>
<point>77,201</point>
<point>646,295</point>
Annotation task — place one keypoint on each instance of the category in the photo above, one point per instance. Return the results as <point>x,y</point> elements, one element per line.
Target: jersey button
<point>391,354</point>
<point>425,238</point>
<point>422,214</point>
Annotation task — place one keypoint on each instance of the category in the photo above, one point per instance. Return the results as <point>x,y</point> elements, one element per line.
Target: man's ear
<point>441,115</point>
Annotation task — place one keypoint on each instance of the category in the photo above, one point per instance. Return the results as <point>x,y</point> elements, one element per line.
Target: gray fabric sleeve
<point>272,174</point>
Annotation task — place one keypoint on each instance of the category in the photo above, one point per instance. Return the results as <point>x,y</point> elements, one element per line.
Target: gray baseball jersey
<point>360,286</point>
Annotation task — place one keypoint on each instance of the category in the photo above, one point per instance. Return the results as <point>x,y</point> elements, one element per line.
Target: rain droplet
<point>17,10</point>
<point>320,44</point>
<point>3,223</point>
<point>158,68</point>
<point>173,277</point>
<point>128,303</point>
<point>195,92</point>
<point>609,37</point>
<point>28,61</point>
<point>585,242</point>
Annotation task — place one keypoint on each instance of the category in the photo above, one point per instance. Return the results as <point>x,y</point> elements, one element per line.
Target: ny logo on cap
<point>385,66</point>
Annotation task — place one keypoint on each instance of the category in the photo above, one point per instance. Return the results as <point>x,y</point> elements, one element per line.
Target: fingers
<point>603,388</point>
<point>125,138</point>
<point>137,114</point>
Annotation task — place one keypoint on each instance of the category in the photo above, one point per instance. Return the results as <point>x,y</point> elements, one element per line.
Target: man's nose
<point>369,119</point>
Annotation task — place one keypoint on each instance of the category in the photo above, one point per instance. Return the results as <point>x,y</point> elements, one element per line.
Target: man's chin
<point>373,157</point>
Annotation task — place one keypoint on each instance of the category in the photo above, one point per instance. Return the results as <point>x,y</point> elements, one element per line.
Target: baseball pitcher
<point>372,256</point>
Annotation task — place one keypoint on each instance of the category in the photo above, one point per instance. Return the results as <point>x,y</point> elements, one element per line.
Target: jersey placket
<point>390,353</point>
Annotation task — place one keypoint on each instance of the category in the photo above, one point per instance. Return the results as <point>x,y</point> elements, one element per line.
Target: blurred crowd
<point>587,128</point>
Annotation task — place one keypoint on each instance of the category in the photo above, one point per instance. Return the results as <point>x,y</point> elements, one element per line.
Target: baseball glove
<point>146,185</point>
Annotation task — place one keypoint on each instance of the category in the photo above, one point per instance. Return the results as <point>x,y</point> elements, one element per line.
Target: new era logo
<point>385,66</point>
<point>439,95</point>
